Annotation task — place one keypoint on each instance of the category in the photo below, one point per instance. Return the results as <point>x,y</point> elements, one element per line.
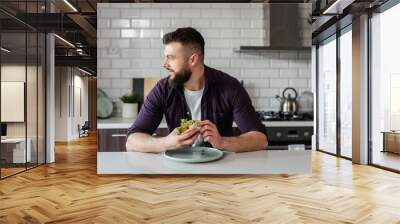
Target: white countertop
<point>258,162</point>
<point>124,123</point>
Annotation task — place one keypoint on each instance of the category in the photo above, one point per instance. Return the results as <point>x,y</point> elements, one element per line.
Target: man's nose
<point>165,64</point>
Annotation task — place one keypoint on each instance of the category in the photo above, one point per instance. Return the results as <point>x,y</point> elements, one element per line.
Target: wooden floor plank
<point>70,191</point>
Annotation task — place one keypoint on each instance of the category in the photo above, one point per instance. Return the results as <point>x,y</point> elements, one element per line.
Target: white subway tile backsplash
<point>103,23</point>
<point>109,13</point>
<point>269,92</point>
<point>177,5</point>
<point>256,24</point>
<point>221,43</point>
<point>221,5</point>
<point>156,63</point>
<point>177,23</point>
<point>201,23</point>
<point>151,53</point>
<point>160,23</point>
<point>305,73</point>
<point>119,43</point>
<point>221,23</point>
<point>279,82</point>
<point>151,13</point>
<point>201,5</point>
<point>141,63</point>
<point>279,63</point>
<point>212,53</point>
<point>112,93</point>
<point>288,54</point>
<point>210,13</point>
<point>240,63</point>
<point>130,13</point>
<point>130,33</point>
<point>109,73</point>
<point>120,23</point>
<point>288,73</point>
<point>230,33</point>
<point>253,93</point>
<point>150,33</point>
<point>120,63</point>
<point>191,13</point>
<point>209,33</point>
<point>241,23</point>
<point>131,53</point>
<point>299,82</point>
<point>251,13</point>
<point>171,13</point>
<point>110,53</point>
<point>252,33</point>
<point>140,23</point>
<point>230,13</point>
<point>120,5</point>
<point>156,43</point>
<point>139,43</point>
<point>104,83</point>
<point>131,73</point>
<point>240,5</point>
<point>260,63</point>
<point>103,63</point>
<point>221,63</point>
<point>300,63</point>
<point>103,43</point>
<point>121,83</point>
<point>258,82</point>
<point>130,46</point>
<point>252,73</point>
<point>110,33</point>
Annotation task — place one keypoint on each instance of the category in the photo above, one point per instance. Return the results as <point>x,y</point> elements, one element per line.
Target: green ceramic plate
<point>194,155</point>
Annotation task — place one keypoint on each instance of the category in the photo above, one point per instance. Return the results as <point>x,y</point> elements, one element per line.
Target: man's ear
<point>194,59</point>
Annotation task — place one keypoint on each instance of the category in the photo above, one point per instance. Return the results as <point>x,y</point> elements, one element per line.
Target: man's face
<point>176,62</point>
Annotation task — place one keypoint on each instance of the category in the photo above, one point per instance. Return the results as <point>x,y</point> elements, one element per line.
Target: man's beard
<point>180,78</point>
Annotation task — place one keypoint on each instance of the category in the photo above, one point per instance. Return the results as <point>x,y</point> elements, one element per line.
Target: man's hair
<point>188,37</point>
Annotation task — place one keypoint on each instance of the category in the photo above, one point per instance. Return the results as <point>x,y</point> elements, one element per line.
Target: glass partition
<point>346,93</point>
<point>385,89</point>
<point>327,95</point>
<point>22,77</point>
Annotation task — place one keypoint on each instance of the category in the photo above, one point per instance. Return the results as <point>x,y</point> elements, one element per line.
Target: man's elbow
<point>130,143</point>
<point>263,141</point>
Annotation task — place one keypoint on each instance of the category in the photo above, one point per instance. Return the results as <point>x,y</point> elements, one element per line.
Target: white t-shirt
<point>193,100</point>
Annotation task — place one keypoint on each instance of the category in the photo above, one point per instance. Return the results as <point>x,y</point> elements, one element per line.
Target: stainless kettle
<point>288,103</point>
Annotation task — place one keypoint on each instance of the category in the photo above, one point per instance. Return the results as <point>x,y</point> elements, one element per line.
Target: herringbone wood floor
<point>70,191</point>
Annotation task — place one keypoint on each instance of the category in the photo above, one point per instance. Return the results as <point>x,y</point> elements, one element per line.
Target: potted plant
<point>130,105</point>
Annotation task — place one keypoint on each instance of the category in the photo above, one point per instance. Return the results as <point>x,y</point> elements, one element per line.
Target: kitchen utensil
<point>104,105</point>
<point>194,155</point>
<point>288,103</point>
<point>305,102</point>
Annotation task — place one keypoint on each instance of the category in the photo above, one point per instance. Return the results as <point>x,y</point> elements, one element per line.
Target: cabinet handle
<point>118,135</point>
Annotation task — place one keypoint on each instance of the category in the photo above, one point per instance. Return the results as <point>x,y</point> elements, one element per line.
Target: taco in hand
<point>185,125</point>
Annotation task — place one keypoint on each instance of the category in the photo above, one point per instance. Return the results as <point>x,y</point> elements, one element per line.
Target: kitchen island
<point>259,162</point>
<point>112,157</point>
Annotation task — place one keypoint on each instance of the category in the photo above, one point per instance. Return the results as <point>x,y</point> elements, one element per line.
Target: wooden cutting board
<point>149,83</point>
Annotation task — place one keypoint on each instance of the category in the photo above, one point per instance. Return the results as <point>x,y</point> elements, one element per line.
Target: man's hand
<point>211,134</point>
<point>187,138</point>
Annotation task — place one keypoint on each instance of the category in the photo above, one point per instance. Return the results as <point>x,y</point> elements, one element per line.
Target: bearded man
<point>194,91</point>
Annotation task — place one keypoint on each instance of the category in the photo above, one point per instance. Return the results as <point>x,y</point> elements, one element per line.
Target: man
<point>196,92</point>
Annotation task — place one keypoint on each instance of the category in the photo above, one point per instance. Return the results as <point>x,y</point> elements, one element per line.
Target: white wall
<point>130,46</point>
<point>68,83</point>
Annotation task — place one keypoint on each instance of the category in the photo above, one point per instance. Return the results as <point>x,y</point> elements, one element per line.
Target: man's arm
<point>144,142</point>
<point>249,141</point>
